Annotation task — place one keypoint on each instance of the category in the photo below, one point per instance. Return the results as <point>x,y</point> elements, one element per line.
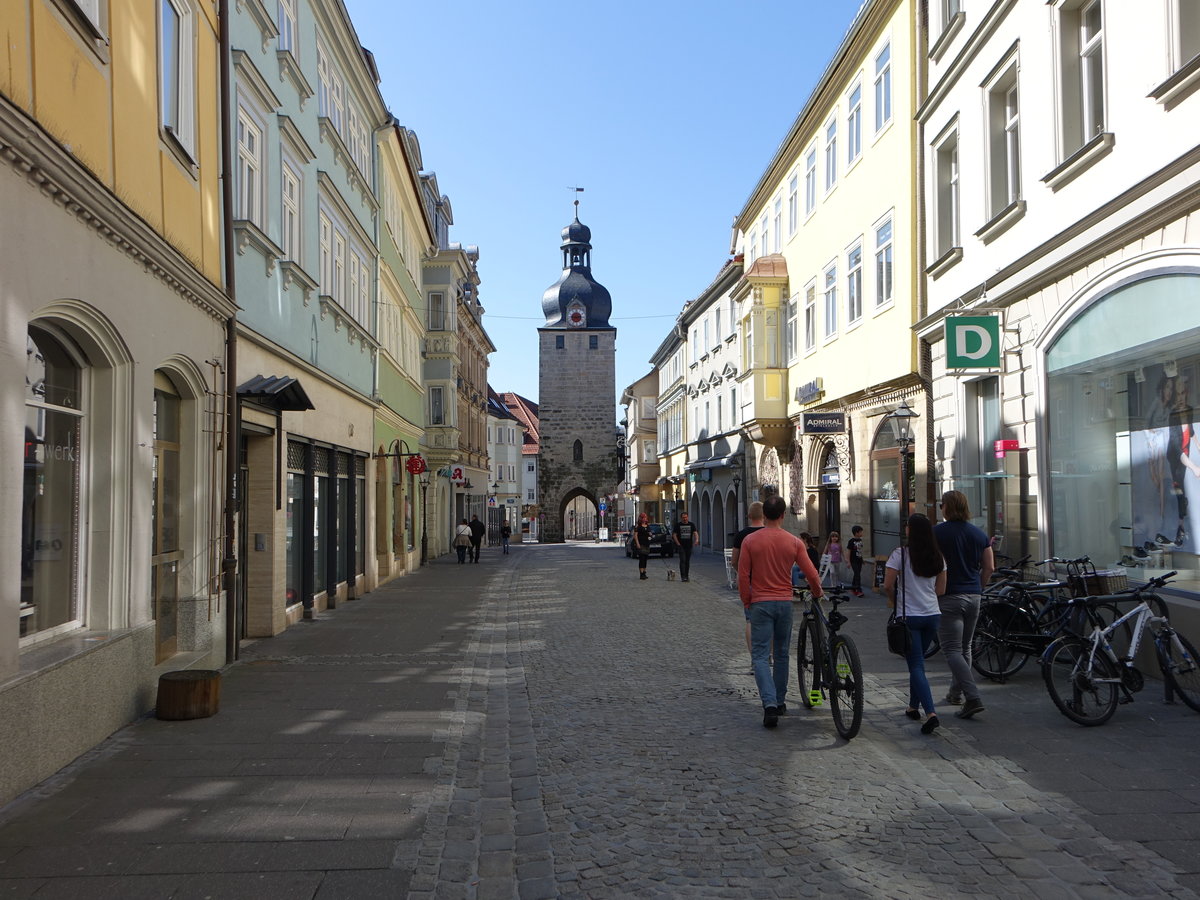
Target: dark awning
<point>276,391</point>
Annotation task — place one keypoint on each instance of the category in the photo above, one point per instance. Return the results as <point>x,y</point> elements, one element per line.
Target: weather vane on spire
<point>578,191</point>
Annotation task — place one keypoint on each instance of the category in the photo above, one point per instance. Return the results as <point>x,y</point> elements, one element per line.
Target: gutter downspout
<point>232,410</point>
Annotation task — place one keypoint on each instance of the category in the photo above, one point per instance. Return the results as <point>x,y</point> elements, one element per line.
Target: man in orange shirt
<point>765,585</point>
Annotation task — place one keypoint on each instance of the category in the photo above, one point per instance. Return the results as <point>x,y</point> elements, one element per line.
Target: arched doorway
<point>831,491</point>
<point>579,516</point>
<point>719,538</point>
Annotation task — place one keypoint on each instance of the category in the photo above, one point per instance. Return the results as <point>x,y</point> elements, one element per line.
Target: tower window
<point>593,342</point>
<point>577,451</point>
<point>560,341</point>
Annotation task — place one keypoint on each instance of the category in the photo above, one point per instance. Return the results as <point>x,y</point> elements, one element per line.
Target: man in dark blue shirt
<point>969,564</point>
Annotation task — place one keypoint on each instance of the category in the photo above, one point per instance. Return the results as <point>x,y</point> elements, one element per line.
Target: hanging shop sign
<point>824,423</point>
<point>415,465</point>
<point>458,475</point>
<point>972,342</point>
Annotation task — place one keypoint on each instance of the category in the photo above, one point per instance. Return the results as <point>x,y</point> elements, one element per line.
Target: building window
<point>810,182</point>
<point>290,212</point>
<point>176,71</point>
<point>831,318</point>
<point>325,228</point>
<point>560,342</point>
<point>720,418</point>
<point>1187,31</point>
<point>287,26</point>
<point>50,514</point>
<point>778,237</point>
<point>789,329</point>
<point>593,342</point>
<point>577,451</point>
<point>854,126</point>
<point>810,317</point>
<point>946,200</point>
<point>249,168</point>
<point>950,9</point>
<point>753,253</point>
<point>339,267</point>
<point>883,87</point>
<point>1082,52</point>
<point>1004,140</point>
<point>883,263</point>
<point>437,311</point>
<point>830,155</point>
<point>766,236</point>
<point>793,208</point>
<point>166,550</point>
<point>854,284</point>
<point>437,409</point>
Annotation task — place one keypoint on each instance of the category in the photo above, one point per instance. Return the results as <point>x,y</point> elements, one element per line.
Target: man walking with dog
<point>685,537</point>
<point>765,586</point>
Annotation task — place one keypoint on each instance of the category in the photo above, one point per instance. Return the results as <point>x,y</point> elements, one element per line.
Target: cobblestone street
<point>546,725</point>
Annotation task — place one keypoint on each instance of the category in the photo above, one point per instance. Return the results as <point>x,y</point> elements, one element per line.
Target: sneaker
<point>1140,552</point>
<point>954,699</point>
<point>970,708</point>
<point>930,725</point>
<point>1162,540</point>
<point>770,716</point>
<point>1150,546</point>
<point>782,709</point>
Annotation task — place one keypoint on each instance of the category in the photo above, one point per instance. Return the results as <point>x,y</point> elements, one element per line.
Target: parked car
<point>660,541</point>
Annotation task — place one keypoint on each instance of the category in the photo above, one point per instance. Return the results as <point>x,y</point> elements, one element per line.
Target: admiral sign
<point>824,423</point>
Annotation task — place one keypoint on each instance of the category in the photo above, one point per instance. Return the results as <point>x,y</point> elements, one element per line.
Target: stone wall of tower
<point>576,401</point>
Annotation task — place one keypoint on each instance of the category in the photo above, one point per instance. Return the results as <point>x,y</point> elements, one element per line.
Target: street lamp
<point>424,518</point>
<point>571,516</point>
<point>901,423</point>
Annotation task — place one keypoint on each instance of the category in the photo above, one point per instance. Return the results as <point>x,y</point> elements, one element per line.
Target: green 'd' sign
<point>972,342</point>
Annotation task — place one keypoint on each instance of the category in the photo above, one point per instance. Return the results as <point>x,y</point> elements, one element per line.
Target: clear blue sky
<point>666,112</point>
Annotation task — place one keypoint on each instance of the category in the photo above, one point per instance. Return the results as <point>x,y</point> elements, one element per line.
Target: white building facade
<point>1062,203</point>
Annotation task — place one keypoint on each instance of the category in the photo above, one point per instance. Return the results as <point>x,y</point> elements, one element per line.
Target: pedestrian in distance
<point>855,548</point>
<point>505,534</point>
<point>462,541</point>
<point>478,529</point>
<point>641,544</point>
<point>754,514</point>
<point>685,537</point>
<point>765,586</point>
<point>913,578</point>
<point>969,565</point>
<point>834,550</point>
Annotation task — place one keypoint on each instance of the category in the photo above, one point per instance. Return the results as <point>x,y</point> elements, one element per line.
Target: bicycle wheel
<point>995,652</point>
<point>810,650</point>
<point>1180,666</point>
<point>846,686</point>
<point>1083,686</point>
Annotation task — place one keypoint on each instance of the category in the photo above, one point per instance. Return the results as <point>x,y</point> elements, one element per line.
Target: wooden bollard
<point>188,694</point>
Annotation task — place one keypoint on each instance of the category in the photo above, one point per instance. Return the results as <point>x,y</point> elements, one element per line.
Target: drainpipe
<point>229,564</point>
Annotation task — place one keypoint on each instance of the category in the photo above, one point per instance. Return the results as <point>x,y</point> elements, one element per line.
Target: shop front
<point>1120,459</point>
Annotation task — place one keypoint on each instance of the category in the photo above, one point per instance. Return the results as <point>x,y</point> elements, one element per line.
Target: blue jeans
<point>504,543</point>
<point>771,634</point>
<point>923,630</point>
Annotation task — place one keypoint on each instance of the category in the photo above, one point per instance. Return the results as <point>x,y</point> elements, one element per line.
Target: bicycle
<point>1018,619</point>
<point>827,663</point>
<point>1086,678</point>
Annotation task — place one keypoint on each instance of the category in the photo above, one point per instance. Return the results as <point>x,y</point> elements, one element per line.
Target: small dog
<point>670,574</point>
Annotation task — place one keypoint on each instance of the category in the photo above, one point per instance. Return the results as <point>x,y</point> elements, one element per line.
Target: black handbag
<point>899,638</point>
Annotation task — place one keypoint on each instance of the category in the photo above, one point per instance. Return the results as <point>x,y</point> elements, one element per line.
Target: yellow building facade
<point>112,347</point>
<point>831,288</point>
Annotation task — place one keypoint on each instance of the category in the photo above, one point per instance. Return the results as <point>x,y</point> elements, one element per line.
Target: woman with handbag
<point>462,540</point>
<point>914,577</point>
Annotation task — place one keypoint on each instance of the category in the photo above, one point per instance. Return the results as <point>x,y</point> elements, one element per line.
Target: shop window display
<point>50,509</point>
<point>1123,390</point>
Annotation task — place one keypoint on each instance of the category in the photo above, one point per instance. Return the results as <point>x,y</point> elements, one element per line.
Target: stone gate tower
<point>576,387</point>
